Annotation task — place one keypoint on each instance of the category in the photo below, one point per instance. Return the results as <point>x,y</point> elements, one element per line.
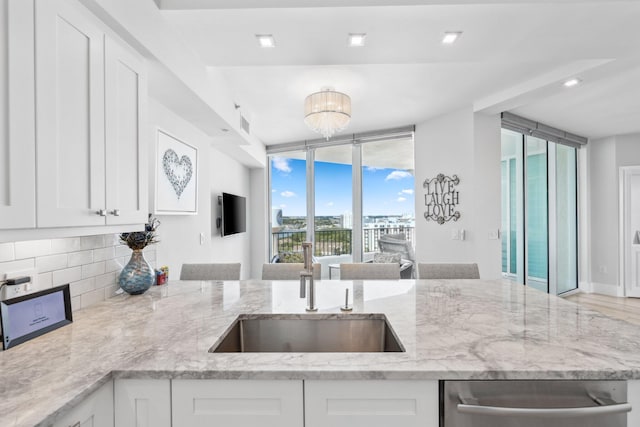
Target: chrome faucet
<point>307,273</point>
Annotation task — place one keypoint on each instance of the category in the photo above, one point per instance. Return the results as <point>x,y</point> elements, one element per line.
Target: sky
<point>385,191</point>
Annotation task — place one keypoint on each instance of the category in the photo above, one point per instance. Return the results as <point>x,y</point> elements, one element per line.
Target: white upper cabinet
<point>90,95</point>
<point>126,150</point>
<point>69,116</point>
<point>17,127</point>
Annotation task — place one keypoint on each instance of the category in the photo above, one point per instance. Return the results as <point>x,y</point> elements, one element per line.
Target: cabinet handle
<point>101,212</point>
<point>115,212</point>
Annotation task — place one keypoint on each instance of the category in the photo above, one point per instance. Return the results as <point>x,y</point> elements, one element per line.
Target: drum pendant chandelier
<point>327,111</point>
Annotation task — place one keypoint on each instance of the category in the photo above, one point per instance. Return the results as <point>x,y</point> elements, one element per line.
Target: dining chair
<point>370,271</point>
<point>213,271</point>
<point>288,271</point>
<point>448,271</point>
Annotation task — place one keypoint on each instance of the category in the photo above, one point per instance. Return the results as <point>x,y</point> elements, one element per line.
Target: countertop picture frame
<point>176,176</point>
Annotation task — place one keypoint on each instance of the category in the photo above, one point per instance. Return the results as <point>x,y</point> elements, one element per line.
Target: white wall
<point>606,156</point>
<point>180,234</point>
<point>229,176</point>
<point>259,217</point>
<point>603,187</point>
<point>467,145</point>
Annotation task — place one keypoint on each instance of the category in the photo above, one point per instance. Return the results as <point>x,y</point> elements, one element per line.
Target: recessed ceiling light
<point>572,82</point>
<point>451,36</point>
<point>266,40</point>
<point>356,39</point>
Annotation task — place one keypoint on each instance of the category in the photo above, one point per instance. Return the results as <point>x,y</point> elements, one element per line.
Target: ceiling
<point>513,55</point>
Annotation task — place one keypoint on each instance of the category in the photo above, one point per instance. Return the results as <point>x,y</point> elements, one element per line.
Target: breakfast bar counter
<point>458,329</point>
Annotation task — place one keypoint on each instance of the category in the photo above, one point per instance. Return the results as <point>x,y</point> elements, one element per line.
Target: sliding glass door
<point>539,213</point>
<point>537,229</point>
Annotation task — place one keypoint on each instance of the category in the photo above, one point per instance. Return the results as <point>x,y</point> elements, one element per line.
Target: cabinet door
<point>371,403</point>
<point>238,403</point>
<point>17,116</point>
<point>69,115</point>
<point>127,141</point>
<point>95,411</point>
<point>142,403</point>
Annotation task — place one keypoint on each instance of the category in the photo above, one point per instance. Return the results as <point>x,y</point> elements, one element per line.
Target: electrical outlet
<point>494,235</point>
<point>455,235</point>
<point>21,289</point>
<point>603,269</point>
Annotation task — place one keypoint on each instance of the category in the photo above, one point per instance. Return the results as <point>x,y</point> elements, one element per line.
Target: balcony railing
<point>335,241</point>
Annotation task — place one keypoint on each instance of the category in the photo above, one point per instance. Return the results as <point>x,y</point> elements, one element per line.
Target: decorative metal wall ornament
<point>441,198</point>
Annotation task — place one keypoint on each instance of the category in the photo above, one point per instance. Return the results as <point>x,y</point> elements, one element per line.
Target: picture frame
<point>176,176</point>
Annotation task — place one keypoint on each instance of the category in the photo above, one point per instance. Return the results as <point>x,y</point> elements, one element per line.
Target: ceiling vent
<point>244,125</point>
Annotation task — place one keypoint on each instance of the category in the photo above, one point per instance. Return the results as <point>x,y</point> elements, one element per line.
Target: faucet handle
<point>346,301</point>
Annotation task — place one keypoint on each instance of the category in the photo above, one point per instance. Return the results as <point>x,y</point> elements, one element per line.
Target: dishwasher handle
<point>603,409</point>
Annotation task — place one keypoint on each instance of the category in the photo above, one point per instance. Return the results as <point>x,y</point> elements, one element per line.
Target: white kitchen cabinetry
<point>89,111</point>
<point>126,107</point>
<point>371,403</point>
<point>238,403</point>
<point>633,397</point>
<point>142,403</point>
<point>94,411</point>
<point>17,125</point>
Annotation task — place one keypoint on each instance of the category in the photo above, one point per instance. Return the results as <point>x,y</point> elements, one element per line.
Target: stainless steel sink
<point>286,333</point>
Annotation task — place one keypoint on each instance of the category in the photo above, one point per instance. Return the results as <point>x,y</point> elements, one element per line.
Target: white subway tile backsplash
<point>51,262</point>
<point>90,264</point>
<point>6,252</point>
<point>19,265</point>
<point>112,240</point>
<point>92,242</point>
<point>92,270</point>
<point>67,275</point>
<point>75,303</point>
<point>45,280</point>
<point>123,251</point>
<point>80,258</point>
<point>104,253</point>
<point>105,280</point>
<point>69,244</point>
<point>32,248</point>
<point>113,265</point>
<point>82,286</point>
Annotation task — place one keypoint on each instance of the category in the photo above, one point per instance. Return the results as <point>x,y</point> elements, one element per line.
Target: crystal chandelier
<point>327,111</point>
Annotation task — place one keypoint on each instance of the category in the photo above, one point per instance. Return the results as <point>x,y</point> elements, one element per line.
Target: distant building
<point>347,220</point>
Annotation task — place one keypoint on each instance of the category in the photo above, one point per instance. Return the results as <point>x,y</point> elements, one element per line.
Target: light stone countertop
<point>463,329</point>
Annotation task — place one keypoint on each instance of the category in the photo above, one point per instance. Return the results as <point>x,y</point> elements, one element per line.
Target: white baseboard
<point>585,287</point>
<point>606,289</point>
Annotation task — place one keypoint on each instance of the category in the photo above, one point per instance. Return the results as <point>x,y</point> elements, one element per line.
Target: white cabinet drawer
<point>371,403</point>
<point>238,403</point>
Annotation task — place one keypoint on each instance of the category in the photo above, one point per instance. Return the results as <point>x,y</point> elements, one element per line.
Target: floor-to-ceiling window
<point>388,184</point>
<point>539,212</point>
<point>333,201</point>
<point>356,190</point>
<point>288,203</point>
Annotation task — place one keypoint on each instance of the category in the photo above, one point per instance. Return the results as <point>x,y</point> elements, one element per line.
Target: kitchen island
<point>462,329</point>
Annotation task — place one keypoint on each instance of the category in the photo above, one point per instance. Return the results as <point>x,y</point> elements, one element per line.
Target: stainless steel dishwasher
<point>533,403</point>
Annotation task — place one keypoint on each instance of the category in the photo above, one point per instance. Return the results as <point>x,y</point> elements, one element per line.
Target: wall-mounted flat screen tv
<point>234,214</point>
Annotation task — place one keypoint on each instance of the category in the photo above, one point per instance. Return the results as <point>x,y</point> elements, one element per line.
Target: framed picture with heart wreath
<point>176,176</point>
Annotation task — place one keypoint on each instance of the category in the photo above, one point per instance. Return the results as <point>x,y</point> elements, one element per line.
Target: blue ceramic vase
<point>137,276</point>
